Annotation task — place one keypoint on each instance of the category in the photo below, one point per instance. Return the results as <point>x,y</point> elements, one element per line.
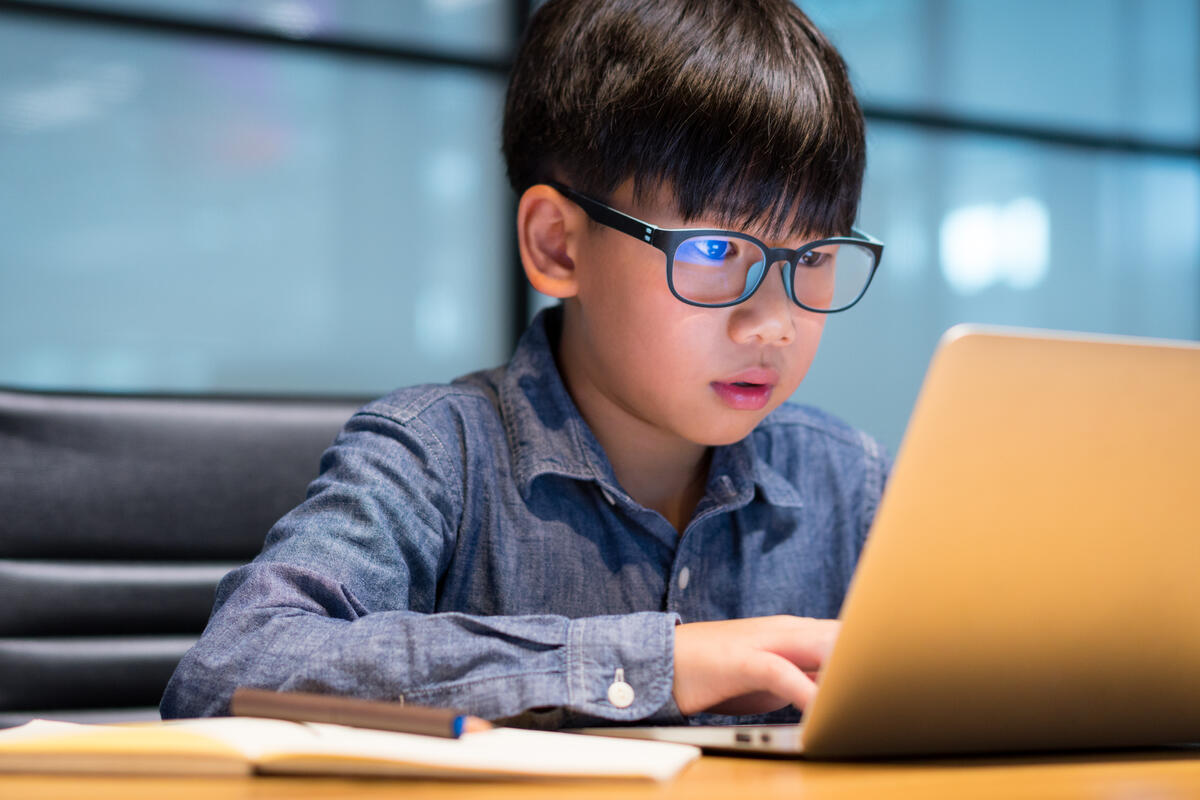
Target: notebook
<point>248,745</point>
<point>1032,578</point>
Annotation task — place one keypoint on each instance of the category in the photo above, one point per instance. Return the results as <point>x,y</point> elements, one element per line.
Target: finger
<point>780,677</point>
<point>753,703</point>
<point>804,642</point>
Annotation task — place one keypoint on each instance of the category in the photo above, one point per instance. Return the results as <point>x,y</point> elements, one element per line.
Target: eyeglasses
<point>716,268</point>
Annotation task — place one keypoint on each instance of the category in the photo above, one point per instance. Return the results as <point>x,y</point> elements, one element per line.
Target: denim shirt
<point>468,545</point>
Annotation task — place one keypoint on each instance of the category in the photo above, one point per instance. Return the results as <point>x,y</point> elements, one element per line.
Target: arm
<point>342,600</point>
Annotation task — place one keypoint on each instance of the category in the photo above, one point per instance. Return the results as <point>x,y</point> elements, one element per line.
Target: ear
<point>547,227</point>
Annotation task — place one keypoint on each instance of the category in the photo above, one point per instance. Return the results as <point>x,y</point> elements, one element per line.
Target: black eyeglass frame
<point>668,240</point>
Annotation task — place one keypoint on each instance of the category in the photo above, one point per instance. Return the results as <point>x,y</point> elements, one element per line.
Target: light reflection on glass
<point>983,245</point>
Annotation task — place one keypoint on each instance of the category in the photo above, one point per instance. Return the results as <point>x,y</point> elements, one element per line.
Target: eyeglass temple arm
<point>607,216</point>
<point>866,237</point>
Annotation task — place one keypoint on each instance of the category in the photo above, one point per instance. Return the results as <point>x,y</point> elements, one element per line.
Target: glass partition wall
<point>218,196</point>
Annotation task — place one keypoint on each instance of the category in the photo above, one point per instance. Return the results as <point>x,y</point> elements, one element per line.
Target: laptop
<point>1032,578</point>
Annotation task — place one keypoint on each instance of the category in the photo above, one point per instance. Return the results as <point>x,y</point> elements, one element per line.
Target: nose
<point>767,316</point>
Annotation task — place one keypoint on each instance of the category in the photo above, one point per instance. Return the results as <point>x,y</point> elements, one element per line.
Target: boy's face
<point>635,356</point>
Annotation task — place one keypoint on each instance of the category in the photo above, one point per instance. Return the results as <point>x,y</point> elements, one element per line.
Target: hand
<point>750,666</point>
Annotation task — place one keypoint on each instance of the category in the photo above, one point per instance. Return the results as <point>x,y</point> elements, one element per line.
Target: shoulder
<point>437,425</point>
<point>794,429</point>
<point>474,394</point>
<point>464,410</point>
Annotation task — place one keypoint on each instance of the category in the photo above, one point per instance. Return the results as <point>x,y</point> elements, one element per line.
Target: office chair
<point>118,515</point>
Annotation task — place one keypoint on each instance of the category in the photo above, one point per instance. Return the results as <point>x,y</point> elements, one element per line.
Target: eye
<point>813,258</point>
<point>713,249</point>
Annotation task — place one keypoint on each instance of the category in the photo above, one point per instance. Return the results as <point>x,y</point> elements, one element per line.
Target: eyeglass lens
<point>713,270</point>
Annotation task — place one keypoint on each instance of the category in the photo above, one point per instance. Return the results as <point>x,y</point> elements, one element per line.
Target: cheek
<point>631,316</point>
<point>665,347</point>
<point>809,328</point>
<point>620,275</point>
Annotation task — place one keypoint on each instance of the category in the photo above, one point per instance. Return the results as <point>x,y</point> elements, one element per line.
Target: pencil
<point>375,714</point>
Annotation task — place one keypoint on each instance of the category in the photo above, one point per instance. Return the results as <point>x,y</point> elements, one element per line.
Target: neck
<point>659,469</point>
<point>669,480</point>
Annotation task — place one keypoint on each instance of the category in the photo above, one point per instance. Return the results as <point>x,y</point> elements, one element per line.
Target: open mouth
<point>743,395</point>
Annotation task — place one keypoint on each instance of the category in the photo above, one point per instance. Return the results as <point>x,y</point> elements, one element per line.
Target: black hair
<point>742,107</point>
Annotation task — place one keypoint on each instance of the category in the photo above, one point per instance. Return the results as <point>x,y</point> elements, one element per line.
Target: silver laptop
<point>1032,579</point>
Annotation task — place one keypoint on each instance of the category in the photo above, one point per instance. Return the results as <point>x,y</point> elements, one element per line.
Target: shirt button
<point>685,575</point>
<point>620,693</point>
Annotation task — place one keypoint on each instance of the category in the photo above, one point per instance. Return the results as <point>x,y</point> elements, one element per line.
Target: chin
<point>728,434</point>
<point>727,426</point>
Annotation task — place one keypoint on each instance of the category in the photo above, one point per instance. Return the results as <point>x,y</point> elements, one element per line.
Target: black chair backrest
<point>118,515</point>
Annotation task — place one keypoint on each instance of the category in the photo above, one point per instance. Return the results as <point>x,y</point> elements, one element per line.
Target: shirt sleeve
<point>342,600</point>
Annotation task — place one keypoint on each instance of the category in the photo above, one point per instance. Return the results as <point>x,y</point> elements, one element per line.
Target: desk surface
<point>1160,774</point>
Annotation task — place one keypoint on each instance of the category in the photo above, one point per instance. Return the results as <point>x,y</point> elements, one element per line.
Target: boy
<point>623,523</point>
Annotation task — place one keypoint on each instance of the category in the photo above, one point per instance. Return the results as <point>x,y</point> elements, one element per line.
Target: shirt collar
<point>778,490</point>
<point>739,469</point>
<point>547,435</point>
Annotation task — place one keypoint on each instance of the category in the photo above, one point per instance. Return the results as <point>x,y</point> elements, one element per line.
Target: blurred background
<point>307,196</point>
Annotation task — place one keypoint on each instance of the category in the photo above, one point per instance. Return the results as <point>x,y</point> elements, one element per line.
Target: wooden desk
<point>1160,774</point>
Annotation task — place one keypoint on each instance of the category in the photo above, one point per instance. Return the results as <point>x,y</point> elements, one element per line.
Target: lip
<point>748,390</point>
<point>754,375</point>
